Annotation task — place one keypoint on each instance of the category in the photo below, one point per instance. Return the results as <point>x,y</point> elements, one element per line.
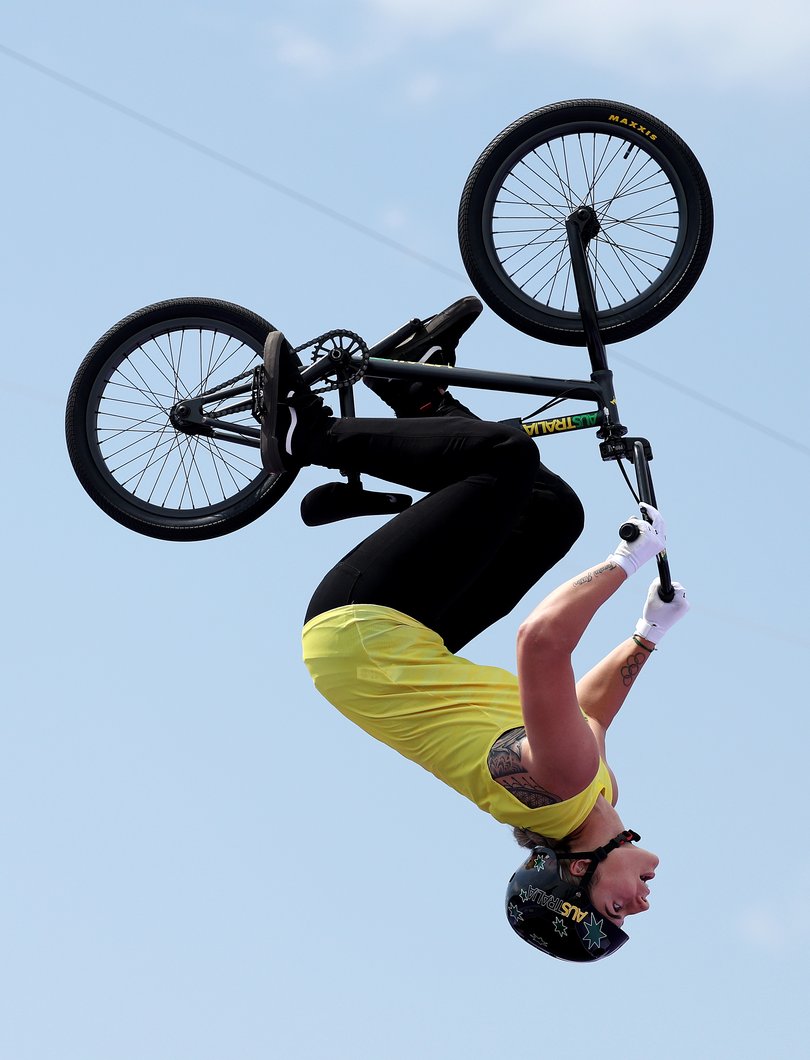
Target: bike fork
<point>582,226</point>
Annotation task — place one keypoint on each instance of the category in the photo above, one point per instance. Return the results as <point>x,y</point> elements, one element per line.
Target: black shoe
<point>435,343</point>
<point>291,414</point>
<point>441,333</point>
<point>450,406</point>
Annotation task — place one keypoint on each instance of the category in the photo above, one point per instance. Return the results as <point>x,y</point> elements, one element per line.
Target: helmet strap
<point>595,856</point>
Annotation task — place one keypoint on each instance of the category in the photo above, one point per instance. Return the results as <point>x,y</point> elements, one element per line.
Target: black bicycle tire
<point>545,125</point>
<point>127,509</point>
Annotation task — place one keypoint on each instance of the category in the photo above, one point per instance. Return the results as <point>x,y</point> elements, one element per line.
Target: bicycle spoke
<point>177,445</point>
<point>138,458</point>
<point>138,444</point>
<point>624,259</point>
<point>560,189</point>
<point>631,195</point>
<point>191,451</point>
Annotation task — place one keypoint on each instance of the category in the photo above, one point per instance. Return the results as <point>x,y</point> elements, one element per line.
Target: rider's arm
<point>562,747</point>
<point>602,692</point>
<point>563,750</point>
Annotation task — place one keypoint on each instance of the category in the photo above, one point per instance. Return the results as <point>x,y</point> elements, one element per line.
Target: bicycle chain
<point>255,404</point>
<point>357,346</point>
<point>317,343</point>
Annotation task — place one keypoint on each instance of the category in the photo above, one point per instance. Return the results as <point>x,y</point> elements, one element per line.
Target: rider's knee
<point>555,510</point>
<point>572,513</point>
<point>517,452</point>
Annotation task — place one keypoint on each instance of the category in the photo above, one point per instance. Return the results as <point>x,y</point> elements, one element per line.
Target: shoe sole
<point>450,323</point>
<point>456,319</point>
<point>270,449</point>
<point>460,315</point>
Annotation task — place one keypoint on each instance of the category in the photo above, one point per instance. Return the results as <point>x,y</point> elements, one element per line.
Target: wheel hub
<point>587,221</point>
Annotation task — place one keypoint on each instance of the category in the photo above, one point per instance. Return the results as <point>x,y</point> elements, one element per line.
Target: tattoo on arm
<point>504,756</point>
<point>589,575</point>
<point>506,768</point>
<point>529,792</point>
<point>632,667</point>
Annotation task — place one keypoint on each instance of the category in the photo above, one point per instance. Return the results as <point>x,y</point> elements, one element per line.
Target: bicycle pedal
<point>339,500</point>
<point>257,393</point>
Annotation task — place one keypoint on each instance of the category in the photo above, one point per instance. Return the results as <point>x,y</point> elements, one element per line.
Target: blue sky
<point>202,859</point>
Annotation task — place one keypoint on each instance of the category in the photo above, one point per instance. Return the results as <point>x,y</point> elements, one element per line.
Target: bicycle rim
<point>149,465</point>
<point>637,196</point>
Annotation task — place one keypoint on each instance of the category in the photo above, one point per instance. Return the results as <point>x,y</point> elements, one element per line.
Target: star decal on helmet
<point>560,927</point>
<point>538,940</point>
<point>540,862</point>
<point>593,933</point>
<point>515,914</point>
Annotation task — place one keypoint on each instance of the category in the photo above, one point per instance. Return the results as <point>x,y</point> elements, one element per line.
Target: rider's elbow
<point>540,634</point>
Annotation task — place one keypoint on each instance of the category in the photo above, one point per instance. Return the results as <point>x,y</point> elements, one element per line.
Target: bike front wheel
<point>123,438</point>
<point>649,194</point>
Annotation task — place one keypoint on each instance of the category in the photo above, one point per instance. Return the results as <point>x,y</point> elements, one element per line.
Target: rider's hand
<point>659,616</point>
<point>652,539</point>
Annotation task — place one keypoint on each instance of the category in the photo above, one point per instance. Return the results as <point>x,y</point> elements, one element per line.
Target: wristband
<point>627,563</point>
<point>637,640</point>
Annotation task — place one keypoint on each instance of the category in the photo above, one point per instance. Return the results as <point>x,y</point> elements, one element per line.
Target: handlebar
<point>629,532</point>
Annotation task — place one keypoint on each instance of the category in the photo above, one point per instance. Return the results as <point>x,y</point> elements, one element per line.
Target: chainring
<point>339,346</point>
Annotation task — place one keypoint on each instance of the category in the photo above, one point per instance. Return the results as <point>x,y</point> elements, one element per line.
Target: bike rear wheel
<point>649,194</point>
<point>126,451</point>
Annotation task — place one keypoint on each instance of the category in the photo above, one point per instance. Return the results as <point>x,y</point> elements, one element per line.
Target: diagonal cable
<point>231,163</point>
<point>357,226</point>
<point>733,414</point>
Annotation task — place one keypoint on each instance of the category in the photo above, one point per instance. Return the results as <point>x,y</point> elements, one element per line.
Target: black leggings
<point>494,521</point>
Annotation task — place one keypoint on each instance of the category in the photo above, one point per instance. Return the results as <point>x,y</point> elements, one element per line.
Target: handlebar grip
<point>665,590</point>
<point>628,531</point>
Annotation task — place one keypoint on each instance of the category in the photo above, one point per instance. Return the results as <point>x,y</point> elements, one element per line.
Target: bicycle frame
<point>190,416</point>
<point>582,225</point>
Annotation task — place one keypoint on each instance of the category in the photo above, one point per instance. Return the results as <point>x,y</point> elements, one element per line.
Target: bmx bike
<point>582,224</point>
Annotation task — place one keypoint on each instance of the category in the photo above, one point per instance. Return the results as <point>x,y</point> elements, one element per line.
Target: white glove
<point>660,616</point>
<point>652,539</point>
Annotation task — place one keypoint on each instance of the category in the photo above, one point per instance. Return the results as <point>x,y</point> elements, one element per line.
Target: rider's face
<point>621,885</point>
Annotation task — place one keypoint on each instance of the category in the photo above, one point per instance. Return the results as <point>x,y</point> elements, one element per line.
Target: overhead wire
<point>231,163</point>
<point>718,406</point>
<point>361,228</point>
<point>379,237</point>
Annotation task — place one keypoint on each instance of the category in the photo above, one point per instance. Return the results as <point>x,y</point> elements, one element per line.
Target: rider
<point>384,626</point>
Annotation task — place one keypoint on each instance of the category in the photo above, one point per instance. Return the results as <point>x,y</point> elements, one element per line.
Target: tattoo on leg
<point>632,668</point>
